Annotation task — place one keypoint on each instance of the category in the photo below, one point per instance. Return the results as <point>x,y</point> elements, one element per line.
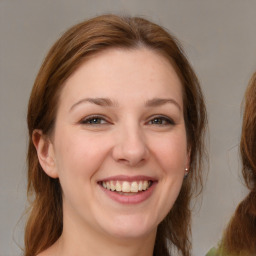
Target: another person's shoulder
<point>217,252</point>
<point>212,252</point>
<point>220,252</point>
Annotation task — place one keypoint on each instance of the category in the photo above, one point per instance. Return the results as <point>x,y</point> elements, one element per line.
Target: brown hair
<point>240,235</point>
<point>44,225</point>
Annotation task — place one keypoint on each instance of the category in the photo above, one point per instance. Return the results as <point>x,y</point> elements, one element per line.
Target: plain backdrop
<point>219,38</point>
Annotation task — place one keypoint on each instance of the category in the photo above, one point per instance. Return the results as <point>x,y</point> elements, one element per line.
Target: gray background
<point>220,40</point>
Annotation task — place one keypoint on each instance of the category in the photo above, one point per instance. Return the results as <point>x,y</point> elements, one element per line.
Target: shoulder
<point>217,252</point>
<point>212,252</point>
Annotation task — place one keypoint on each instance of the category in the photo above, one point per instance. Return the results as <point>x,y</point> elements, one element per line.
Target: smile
<point>128,190</point>
<point>127,186</point>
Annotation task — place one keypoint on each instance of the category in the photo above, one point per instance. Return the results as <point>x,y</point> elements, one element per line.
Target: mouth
<point>124,187</point>
<point>128,190</point>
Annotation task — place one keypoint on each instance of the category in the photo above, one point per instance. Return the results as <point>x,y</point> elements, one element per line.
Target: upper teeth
<point>126,186</point>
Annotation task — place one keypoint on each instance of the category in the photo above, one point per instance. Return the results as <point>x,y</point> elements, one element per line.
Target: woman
<point>116,121</point>
<point>240,235</point>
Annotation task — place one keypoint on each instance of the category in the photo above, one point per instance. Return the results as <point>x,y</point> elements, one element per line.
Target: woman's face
<point>119,146</point>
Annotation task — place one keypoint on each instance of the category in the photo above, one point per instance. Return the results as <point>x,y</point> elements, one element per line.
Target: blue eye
<point>93,120</point>
<point>161,121</point>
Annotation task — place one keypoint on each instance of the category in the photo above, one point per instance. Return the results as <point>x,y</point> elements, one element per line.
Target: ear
<point>45,153</point>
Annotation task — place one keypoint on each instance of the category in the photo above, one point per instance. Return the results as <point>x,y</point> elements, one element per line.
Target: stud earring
<point>186,173</point>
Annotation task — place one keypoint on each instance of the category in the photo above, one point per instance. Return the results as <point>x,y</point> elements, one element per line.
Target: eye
<point>94,120</point>
<point>161,120</point>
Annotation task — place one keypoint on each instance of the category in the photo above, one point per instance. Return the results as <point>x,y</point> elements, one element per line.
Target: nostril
<point>132,161</point>
<point>130,154</point>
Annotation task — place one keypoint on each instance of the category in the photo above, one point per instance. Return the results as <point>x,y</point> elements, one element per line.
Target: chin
<point>131,227</point>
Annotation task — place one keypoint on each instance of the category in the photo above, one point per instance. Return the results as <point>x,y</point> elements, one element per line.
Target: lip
<point>135,198</point>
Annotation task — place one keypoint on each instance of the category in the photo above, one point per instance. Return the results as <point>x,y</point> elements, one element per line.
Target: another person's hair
<point>79,43</point>
<point>240,235</point>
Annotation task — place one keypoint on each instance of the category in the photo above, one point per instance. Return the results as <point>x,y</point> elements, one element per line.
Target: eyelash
<point>97,120</point>
<point>166,120</point>
<point>90,120</point>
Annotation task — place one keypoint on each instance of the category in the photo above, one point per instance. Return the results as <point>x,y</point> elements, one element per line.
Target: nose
<point>130,146</point>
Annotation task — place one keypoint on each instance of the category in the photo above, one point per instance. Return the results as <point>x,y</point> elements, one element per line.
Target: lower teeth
<point>127,193</point>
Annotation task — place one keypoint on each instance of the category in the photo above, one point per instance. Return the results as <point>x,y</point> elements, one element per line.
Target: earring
<point>186,173</point>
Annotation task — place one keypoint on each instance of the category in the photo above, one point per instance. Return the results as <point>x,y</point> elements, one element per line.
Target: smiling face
<point>119,145</point>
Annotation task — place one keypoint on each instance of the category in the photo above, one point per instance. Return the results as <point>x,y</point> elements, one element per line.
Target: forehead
<point>122,72</point>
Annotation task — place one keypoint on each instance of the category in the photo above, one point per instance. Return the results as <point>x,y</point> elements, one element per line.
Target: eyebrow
<point>103,102</point>
<point>106,102</point>
<point>156,102</point>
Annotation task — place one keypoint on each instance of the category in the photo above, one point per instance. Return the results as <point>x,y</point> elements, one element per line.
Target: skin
<point>134,135</point>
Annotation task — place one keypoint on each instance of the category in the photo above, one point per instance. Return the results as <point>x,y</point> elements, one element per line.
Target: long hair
<point>80,42</point>
<point>240,235</point>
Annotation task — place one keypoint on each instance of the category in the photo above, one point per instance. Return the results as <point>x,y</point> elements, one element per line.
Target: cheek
<point>171,152</point>
<point>78,154</point>
<point>79,157</point>
<point>72,151</point>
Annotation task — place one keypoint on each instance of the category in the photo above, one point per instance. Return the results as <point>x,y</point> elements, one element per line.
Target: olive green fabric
<point>212,252</point>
